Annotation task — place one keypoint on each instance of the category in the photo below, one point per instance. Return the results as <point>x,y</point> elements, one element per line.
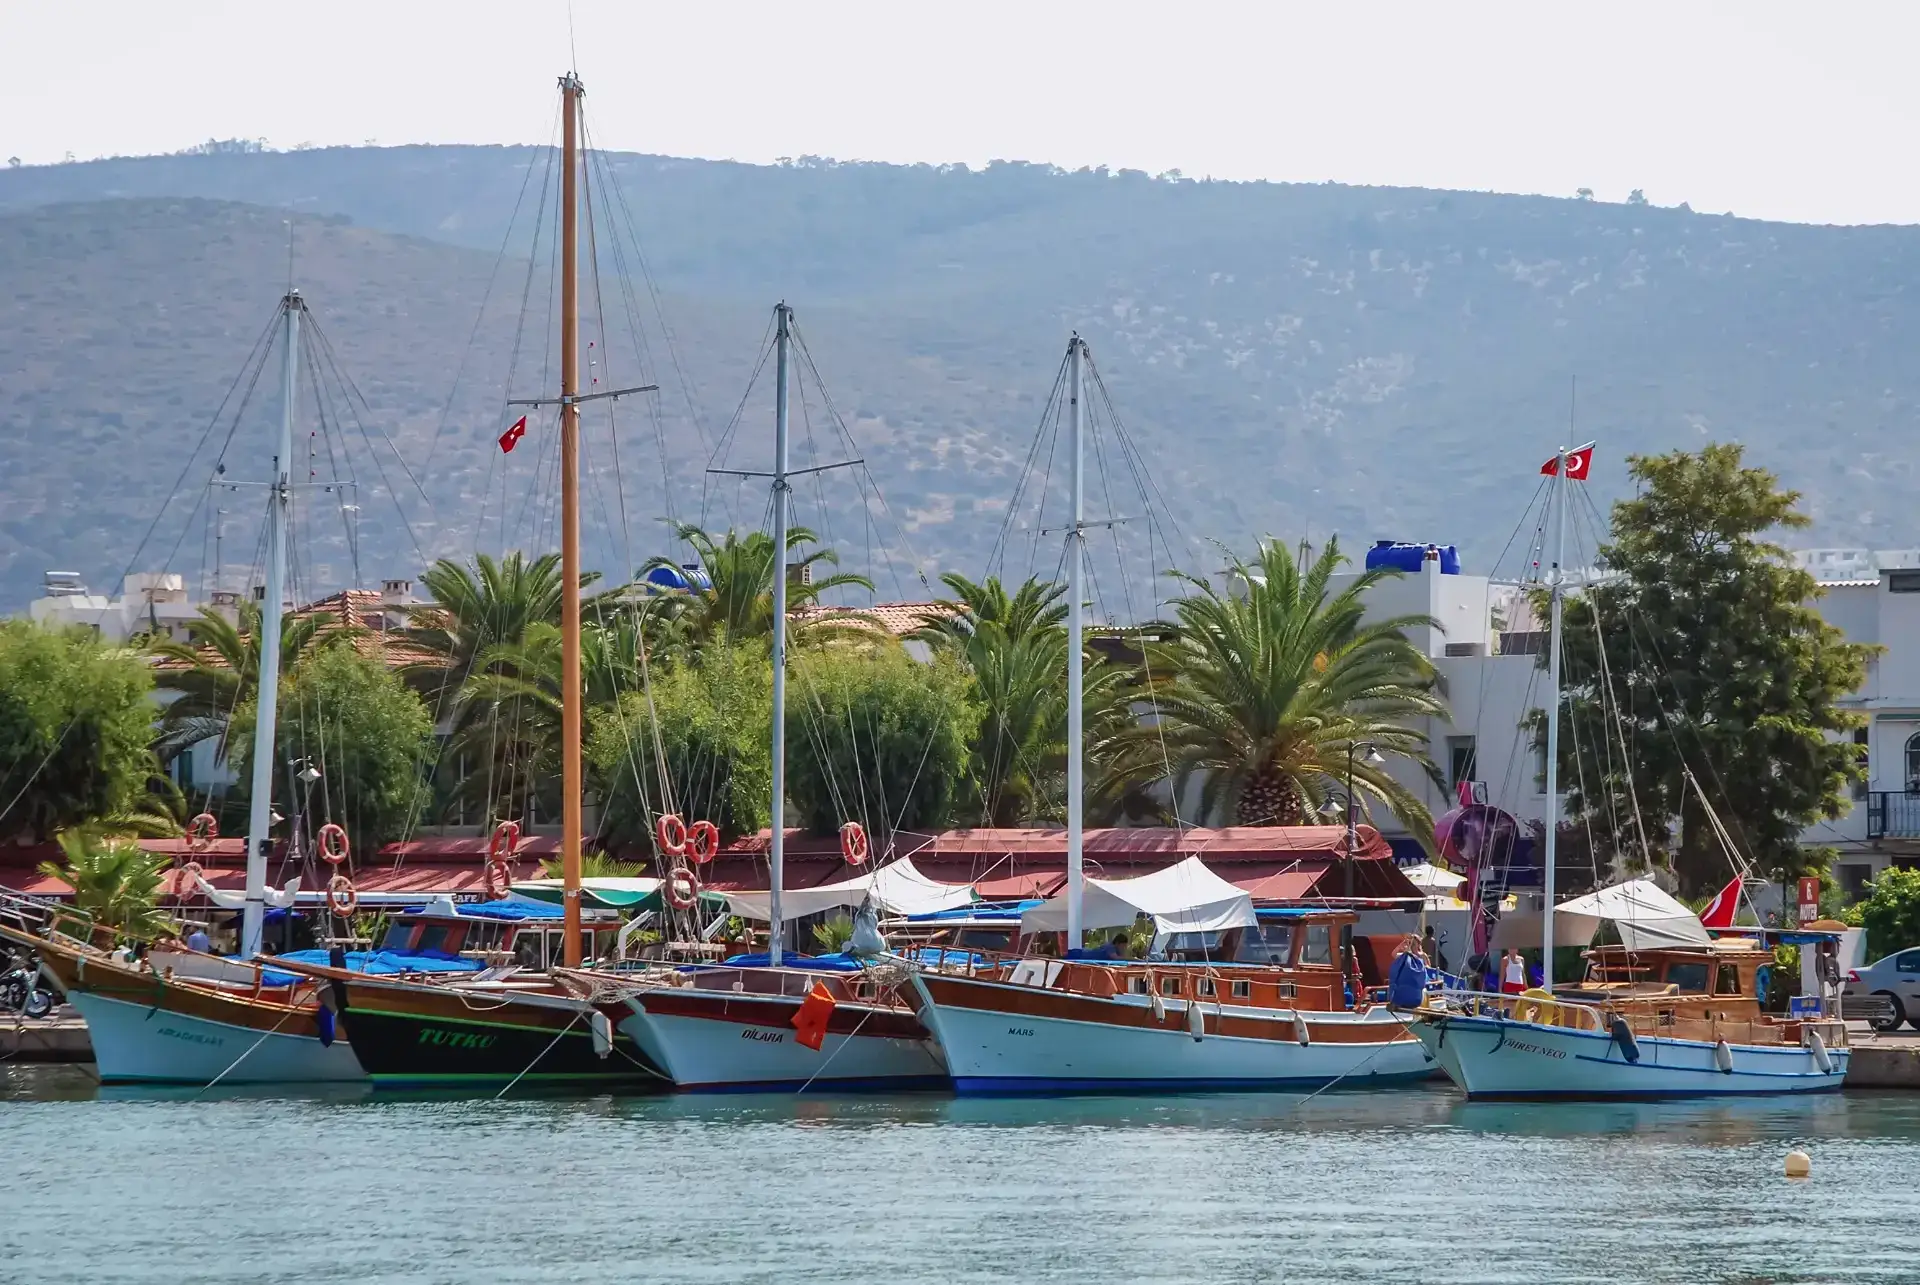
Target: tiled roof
<point>898,618</point>
<point>350,607</point>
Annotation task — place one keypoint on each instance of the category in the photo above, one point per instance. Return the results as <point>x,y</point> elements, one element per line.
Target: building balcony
<point>1893,814</point>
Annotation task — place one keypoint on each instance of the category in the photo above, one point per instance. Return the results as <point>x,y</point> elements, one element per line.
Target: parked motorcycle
<point>22,990</point>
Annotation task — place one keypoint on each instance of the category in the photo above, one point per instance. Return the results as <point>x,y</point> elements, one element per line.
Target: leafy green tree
<point>1259,692</point>
<point>877,737</point>
<point>695,742</point>
<point>738,603</point>
<point>76,720</point>
<point>1891,912</point>
<point>1715,663</point>
<point>113,879</point>
<point>369,733</point>
<point>218,669</point>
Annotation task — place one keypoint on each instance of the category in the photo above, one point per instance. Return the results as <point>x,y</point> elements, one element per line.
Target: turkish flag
<point>511,438</point>
<point>1579,463</point>
<point>812,1017</point>
<point>1719,911</point>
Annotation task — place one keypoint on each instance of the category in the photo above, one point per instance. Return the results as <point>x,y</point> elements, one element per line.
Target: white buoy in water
<point>1799,1164</point>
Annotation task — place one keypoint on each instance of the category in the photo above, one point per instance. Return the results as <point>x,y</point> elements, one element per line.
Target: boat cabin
<point>1281,937</point>
<point>1723,970</point>
<point>983,926</point>
<point>528,934</point>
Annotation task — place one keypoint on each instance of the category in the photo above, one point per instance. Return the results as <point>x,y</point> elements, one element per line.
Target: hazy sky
<point>1778,110</point>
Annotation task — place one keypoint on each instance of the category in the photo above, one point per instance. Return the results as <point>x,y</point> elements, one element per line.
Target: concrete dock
<point>1883,1061</point>
<point>60,1038</point>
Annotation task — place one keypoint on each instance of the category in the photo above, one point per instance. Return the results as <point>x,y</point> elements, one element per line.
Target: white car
<point>1895,981</point>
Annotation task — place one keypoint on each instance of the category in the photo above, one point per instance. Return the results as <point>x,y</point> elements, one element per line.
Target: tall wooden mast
<point>571,781</point>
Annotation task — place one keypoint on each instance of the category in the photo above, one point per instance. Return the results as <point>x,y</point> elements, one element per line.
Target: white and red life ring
<point>681,888</point>
<point>342,898</point>
<point>703,841</point>
<point>333,843</point>
<point>672,833</point>
<point>202,831</point>
<point>853,843</point>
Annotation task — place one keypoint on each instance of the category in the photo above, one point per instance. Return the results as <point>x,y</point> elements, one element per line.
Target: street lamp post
<point>1353,838</point>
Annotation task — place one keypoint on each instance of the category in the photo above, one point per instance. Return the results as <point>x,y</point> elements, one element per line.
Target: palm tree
<point>507,728</point>
<point>1015,646</point>
<point>113,879</point>
<point>218,670</point>
<point>1263,692</point>
<point>485,604</point>
<point>738,600</point>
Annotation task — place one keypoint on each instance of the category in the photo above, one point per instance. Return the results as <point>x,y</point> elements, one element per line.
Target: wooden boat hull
<point>423,1036</point>
<point>1003,1038</point>
<point>139,1043</point>
<point>1492,1057</point>
<point>717,1041</point>
<point>146,1029</point>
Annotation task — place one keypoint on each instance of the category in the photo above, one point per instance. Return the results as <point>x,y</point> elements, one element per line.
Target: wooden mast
<point>571,782</point>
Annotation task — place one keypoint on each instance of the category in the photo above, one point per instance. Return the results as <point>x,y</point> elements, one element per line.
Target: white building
<point>149,603</point>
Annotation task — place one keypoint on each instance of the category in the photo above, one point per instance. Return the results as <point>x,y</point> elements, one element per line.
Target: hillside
<point>1291,358</point>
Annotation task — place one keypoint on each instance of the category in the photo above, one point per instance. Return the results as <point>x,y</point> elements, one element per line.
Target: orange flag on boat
<point>811,1020</point>
<point>1719,911</point>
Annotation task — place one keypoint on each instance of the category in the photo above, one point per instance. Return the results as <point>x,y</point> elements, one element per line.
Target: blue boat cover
<point>841,963</point>
<point>376,963</point>
<point>511,911</point>
<point>978,910</point>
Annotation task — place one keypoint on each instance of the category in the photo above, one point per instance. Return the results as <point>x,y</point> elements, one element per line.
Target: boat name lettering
<point>192,1037</point>
<point>1020,1030</point>
<point>454,1039</point>
<point>1525,1047</point>
<point>765,1037</point>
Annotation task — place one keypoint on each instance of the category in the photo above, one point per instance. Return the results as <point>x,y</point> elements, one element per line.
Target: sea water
<point>113,1187</point>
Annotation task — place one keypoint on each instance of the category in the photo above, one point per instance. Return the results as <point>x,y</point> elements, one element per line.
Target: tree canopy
<point>76,721</point>
<point>1700,652</point>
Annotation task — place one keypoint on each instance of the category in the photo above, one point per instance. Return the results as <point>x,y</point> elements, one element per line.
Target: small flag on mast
<point>1720,911</point>
<point>1579,463</point>
<point>511,438</point>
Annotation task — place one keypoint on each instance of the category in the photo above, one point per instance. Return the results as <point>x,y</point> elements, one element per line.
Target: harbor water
<point>125,1187</point>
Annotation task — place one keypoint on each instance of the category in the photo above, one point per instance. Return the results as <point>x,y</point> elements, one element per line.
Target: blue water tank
<point>1397,555</point>
<point>677,578</point>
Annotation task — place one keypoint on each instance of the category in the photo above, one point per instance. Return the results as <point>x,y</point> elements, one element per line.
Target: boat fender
<point>1196,1021</point>
<point>1300,1031</point>
<point>323,1022</point>
<point>1623,1036</point>
<point>602,1033</point>
<point>1723,1057</point>
<point>1154,1002</point>
<point>337,958</point>
<point>1818,1047</point>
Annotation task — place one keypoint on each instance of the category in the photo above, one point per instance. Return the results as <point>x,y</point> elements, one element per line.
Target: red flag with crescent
<point>1579,463</point>
<point>1719,911</point>
<point>511,438</point>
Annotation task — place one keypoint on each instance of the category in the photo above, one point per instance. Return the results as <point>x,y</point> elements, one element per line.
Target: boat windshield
<point>1319,946</point>
<point>1266,943</point>
<point>1691,978</point>
<point>984,938</point>
<point>399,937</point>
<point>1192,946</point>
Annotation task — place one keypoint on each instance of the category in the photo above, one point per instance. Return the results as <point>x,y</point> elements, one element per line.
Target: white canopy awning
<point>897,888</point>
<point>1431,879</point>
<point>1184,898</point>
<point>1645,916</point>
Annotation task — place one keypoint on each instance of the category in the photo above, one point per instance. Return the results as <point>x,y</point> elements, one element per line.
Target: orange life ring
<point>506,837</point>
<point>187,884</point>
<point>497,876</point>
<point>342,898</point>
<point>202,831</point>
<point>681,888</point>
<point>703,841</point>
<point>853,843</point>
<point>333,843</point>
<point>672,833</point>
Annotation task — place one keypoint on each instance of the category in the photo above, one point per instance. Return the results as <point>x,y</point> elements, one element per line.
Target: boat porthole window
<point>1243,990</point>
<point>1169,985</point>
<point>1286,990</point>
<point>1206,986</point>
<point>1138,985</point>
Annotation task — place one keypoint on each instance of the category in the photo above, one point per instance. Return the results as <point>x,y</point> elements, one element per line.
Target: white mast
<point>777,848</point>
<point>1076,750</point>
<point>279,523</point>
<point>1556,582</point>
